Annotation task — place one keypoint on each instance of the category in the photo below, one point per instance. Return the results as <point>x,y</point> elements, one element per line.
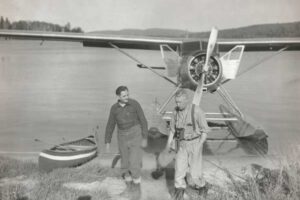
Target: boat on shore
<point>69,154</point>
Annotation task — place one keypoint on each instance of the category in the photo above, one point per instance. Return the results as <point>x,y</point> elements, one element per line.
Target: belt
<point>190,139</point>
<point>129,131</point>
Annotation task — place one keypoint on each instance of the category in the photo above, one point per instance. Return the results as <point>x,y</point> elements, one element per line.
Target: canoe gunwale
<point>67,153</point>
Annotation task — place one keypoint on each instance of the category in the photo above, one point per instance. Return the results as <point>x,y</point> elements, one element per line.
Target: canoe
<point>70,154</point>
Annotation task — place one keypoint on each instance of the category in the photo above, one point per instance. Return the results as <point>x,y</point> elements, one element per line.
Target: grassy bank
<point>22,180</point>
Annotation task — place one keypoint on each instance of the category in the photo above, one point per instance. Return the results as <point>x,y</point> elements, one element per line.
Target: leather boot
<point>204,190</point>
<point>127,192</point>
<point>198,192</point>
<point>136,192</point>
<point>178,194</point>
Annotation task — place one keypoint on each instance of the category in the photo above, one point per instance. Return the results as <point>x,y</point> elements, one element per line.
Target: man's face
<point>124,96</point>
<point>181,102</point>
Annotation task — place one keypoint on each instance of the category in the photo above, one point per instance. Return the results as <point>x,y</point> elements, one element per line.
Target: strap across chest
<point>183,119</point>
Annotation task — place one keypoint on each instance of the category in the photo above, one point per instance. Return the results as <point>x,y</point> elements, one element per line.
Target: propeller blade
<point>210,47</point>
<point>198,91</point>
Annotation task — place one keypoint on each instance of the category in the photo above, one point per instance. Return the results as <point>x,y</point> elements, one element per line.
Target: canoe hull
<point>50,159</point>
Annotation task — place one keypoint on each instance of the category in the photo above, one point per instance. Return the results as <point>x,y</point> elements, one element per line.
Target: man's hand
<point>168,148</point>
<point>107,148</point>
<point>170,141</point>
<point>144,143</point>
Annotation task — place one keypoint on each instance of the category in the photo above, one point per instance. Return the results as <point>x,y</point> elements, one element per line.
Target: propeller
<point>210,47</point>
<point>198,93</point>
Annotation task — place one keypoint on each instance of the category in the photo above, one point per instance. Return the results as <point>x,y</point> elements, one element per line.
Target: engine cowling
<point>192,67</point>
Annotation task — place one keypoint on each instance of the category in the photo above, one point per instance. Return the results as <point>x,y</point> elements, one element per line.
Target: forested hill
<point>255,31</point>
<point>36,26</point>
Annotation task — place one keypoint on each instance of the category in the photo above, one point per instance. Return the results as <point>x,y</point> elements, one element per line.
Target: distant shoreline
<point>291,29</point>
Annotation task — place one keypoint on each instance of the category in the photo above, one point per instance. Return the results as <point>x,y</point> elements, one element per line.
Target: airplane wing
<point>92,40</point>
<point>261,44</point>
<point>184,45</point>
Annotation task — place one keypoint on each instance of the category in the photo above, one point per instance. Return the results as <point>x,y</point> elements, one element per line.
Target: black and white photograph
<point>149,100</point>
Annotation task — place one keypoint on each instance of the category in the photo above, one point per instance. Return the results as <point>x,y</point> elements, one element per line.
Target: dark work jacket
<point>125,118</point>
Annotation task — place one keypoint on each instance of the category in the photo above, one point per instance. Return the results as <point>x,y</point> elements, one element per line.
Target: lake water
<point>57,92</point>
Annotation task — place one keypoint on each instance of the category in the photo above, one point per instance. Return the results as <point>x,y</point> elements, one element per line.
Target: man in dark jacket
<point>132,125</point>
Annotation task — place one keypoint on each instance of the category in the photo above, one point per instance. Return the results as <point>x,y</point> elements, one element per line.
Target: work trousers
<point>131,153</point>
<point>188,164</point>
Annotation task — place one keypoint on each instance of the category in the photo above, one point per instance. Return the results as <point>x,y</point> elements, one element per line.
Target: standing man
<point>189,130</point>
<point>132,125</point>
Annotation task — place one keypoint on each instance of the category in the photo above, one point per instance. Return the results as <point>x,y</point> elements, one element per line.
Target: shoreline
<point>214,167</point>
<point>97,179</point>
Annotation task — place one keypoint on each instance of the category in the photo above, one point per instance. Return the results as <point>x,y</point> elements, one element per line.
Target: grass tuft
<point>10,167</point>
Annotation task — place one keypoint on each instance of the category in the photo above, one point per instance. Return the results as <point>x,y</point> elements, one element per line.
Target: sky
<point>191,15</point>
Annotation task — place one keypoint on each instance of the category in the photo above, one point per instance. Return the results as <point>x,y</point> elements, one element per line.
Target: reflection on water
<point>62,91</point>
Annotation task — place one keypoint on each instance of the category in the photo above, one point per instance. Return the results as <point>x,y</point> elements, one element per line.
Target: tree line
<point>256,31</point>
<point>36,26</point>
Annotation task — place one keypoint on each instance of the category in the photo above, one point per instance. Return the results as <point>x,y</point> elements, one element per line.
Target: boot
<point>204,190</point>
<point>192,192</point>
<point>127,192</point>
<point>136,192</point>
<point>178,194</point>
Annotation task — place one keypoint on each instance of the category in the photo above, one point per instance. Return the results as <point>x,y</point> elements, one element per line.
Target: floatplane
<point>198,66</point>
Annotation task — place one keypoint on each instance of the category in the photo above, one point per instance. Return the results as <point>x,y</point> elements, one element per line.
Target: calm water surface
<point>57,92</point>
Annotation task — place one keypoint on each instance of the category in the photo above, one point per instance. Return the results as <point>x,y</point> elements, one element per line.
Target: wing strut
<point>263,60</point>
<point>136,60</point>
<point>260,62</point>
<point>225,95</point>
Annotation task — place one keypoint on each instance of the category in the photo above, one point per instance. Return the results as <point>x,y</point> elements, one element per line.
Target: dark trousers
<point>131,153</point>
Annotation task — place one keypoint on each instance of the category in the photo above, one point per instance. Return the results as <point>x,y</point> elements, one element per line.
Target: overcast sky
<point>192,15</point>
